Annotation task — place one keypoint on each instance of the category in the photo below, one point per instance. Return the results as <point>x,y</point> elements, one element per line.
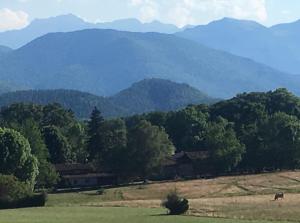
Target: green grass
<point>232,198</point>
<point>102,215</point>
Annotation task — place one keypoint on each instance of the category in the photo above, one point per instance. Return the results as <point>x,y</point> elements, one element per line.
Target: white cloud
<point>12,19</point>
<point>148,9</point>
<point>136,2</point>
<point>183,12</point>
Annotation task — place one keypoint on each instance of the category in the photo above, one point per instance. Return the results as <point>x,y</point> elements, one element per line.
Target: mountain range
<point>68,23</point>
<point>4,49</point>
<point>144,96</point>
<point>277,46</point>
<point>103,62</point>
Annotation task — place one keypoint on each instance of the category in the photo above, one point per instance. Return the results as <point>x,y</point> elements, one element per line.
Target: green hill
<point>80,102</point>
<point>158,95</point>
<point>145,96</point>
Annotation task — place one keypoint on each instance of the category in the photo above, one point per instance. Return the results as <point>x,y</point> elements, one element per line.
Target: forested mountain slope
<point>104,62</point>
<point>145,96</point>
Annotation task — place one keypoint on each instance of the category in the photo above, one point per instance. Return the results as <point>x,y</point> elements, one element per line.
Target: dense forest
<point>144,96</point>
<point>251,132</point>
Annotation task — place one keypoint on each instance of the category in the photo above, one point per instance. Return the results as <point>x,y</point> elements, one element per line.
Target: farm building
<point>82,175</point>
<point>187,165</point>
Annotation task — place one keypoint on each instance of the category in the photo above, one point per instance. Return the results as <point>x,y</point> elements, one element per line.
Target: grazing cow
<point>279,195</point>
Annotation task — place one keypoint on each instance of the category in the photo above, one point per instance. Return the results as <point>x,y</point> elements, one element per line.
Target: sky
<point>15,14</point>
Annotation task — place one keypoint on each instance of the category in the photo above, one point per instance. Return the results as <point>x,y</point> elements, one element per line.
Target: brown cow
<point>279,195</point>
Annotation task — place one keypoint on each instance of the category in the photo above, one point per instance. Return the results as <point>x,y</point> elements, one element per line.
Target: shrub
<point>36,200</point>
<point>176,204</point>
<point>16,194</point>
<point>48,177</point>
<point>100,191</point>
<point>12,189</point>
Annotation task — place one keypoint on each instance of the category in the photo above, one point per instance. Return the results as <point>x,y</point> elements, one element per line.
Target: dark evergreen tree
<point>115,157</point>
<point>95,135</point>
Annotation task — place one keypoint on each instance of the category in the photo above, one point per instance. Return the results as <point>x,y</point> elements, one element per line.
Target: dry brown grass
<point>219,187</point>
<point>242,197</point>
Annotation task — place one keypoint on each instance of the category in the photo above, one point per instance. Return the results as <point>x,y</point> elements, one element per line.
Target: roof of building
<point>196,155</point>
<point>73,167</point>
<point>170,161</point>
<point>85,176</point>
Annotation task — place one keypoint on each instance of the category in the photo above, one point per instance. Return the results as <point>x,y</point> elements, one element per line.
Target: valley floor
<point>104,215</point>
<point>225,199</point>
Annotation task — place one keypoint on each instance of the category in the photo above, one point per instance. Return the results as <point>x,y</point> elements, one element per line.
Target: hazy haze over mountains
<point>68,23</point>
<point>104,62</point>
<point>277,46</point>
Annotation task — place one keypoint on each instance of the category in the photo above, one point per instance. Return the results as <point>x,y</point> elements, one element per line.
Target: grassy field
<point>103,215</point>
<point>239,198</point>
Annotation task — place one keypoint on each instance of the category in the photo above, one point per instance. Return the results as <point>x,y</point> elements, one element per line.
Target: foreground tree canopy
<point>250,132</point>
<point>16,157</point>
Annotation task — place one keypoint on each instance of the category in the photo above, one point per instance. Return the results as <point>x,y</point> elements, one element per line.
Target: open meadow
<point>224,199</point>
<point>103,215</point>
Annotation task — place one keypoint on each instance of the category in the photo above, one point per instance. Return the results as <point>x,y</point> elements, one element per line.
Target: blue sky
<point>18,13</point>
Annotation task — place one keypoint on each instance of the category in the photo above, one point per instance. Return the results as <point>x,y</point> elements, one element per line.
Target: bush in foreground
<point>176,204</point>
<point>16,194</point>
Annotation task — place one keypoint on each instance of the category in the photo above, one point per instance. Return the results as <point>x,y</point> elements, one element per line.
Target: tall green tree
<point>186,128</point>
<point>30,129</point>
<point>147,147</point>
<point>280,142</point>
<point>18,113</point>
<point>56,115</point>
<point>95,136</point>
<point>76,136</point>
<point>225,148</point>
<point>29,125</point>
<point>16,157</point>
<point>115,156</point>
<point>58,146</point>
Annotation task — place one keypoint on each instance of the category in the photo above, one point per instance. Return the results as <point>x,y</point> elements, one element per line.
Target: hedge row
<point>37,200</point>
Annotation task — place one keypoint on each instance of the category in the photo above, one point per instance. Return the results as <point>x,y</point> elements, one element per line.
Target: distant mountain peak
<point>70,22</point>
<point>59,17</point>
<point>290,27</point>
<point>277,46</point>
<point>242,23</point>
<point>67,18</point>
<point>126,20</point>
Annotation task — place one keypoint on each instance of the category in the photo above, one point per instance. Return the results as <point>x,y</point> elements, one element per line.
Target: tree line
<point>251,132</point>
